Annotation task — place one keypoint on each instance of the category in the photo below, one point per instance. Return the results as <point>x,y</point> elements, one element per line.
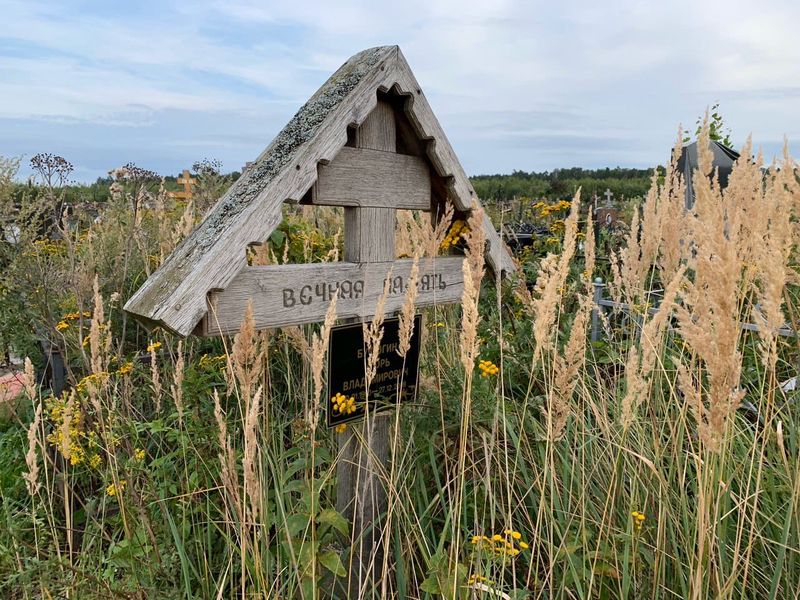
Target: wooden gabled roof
<point>175,296</point>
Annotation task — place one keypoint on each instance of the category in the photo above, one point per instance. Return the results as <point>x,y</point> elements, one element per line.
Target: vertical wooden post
<point>369,236</point>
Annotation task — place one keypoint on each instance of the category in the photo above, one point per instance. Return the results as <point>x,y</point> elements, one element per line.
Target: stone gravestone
<point>368,141</point>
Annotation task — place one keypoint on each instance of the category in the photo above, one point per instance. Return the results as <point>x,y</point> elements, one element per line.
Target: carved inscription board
<point>285,295</point>
<point>395,377</point>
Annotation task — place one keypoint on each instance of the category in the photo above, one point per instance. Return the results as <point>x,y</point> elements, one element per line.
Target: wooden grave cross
<point>187,181</point>
<point>369,142</point>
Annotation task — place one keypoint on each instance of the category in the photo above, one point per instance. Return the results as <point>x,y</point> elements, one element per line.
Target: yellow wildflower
<point>62,325</point>
<point>475,578</point>
<point>488,368</point>
<point>138,454</point>
<point>114,490</point>
<point>95,461</point>
<point>343,405</point>
<point>153,346</point>
<point>76,454</point>
<point>457,231</point>
<point>125,368</point>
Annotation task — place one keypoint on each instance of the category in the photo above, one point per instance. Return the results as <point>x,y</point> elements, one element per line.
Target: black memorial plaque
<point>395,379</point>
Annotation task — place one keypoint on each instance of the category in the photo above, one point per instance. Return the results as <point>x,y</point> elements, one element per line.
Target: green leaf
<point>296,523</point>
<point>334,519</point>
<point>298,485</point>
<point>278,237</point>
<point>331,561</point>
<point>431,585</point>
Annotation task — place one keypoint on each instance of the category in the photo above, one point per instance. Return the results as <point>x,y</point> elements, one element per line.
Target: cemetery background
<point>616,469</point>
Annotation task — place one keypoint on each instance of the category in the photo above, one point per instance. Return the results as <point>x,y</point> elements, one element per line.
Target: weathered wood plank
<point>372,231</point>
<point>363,177</point>
<point>369,235</point>
<point>285,295</point>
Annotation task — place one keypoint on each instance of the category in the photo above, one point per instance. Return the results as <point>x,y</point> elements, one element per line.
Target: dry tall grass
<point>556,468</point>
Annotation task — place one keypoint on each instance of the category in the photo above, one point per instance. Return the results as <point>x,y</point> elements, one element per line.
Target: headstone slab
<point>176,295</point>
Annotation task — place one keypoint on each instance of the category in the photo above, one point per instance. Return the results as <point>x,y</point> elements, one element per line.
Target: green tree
<point>717,130</point>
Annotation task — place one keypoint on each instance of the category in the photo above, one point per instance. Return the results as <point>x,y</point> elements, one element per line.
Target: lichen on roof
<point>300,129</point>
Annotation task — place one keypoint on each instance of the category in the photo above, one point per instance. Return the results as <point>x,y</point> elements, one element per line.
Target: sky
<point>516,85</point>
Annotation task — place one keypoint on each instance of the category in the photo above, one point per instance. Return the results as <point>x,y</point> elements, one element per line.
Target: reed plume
<point>227,460</point>
<point>29,380</point>
<point>406,319</point>
<point>319,347</point>
<point>567,367</point>
<point>672,217</point>
<point>246,360</point>
<point>640,364</point>
<point>543,304</point>
<point>155,377</point>
<point>298,341</point>
<point>472,269</point>
<point>709,315</point>
<point>99,333</point>
<point>31,477</point>
<point>250,459</point>
<point>177,383</point>
<point>373,333</point>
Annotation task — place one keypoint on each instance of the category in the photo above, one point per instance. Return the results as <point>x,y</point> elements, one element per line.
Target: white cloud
<point>510,79</point>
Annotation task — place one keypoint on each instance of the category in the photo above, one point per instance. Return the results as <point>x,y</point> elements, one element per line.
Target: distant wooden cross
<point>187,181</point>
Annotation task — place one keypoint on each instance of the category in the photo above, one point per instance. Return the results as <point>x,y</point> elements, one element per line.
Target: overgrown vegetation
<point>533,464</point>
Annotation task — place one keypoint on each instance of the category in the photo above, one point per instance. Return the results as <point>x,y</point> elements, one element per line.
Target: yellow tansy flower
<point>113,490</point>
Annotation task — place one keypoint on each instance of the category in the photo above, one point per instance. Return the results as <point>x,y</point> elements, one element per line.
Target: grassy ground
<point>619,469</point>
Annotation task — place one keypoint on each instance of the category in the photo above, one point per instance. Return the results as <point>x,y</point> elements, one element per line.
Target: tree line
<point>562,183</point>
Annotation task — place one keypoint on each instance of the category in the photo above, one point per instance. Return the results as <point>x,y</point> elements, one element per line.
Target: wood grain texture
<point>364,177</point>
<point>175,296</point>
<point>285,295</point>
<point>369,232</point>
<point>361,469</point>
<point>369,235</point>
